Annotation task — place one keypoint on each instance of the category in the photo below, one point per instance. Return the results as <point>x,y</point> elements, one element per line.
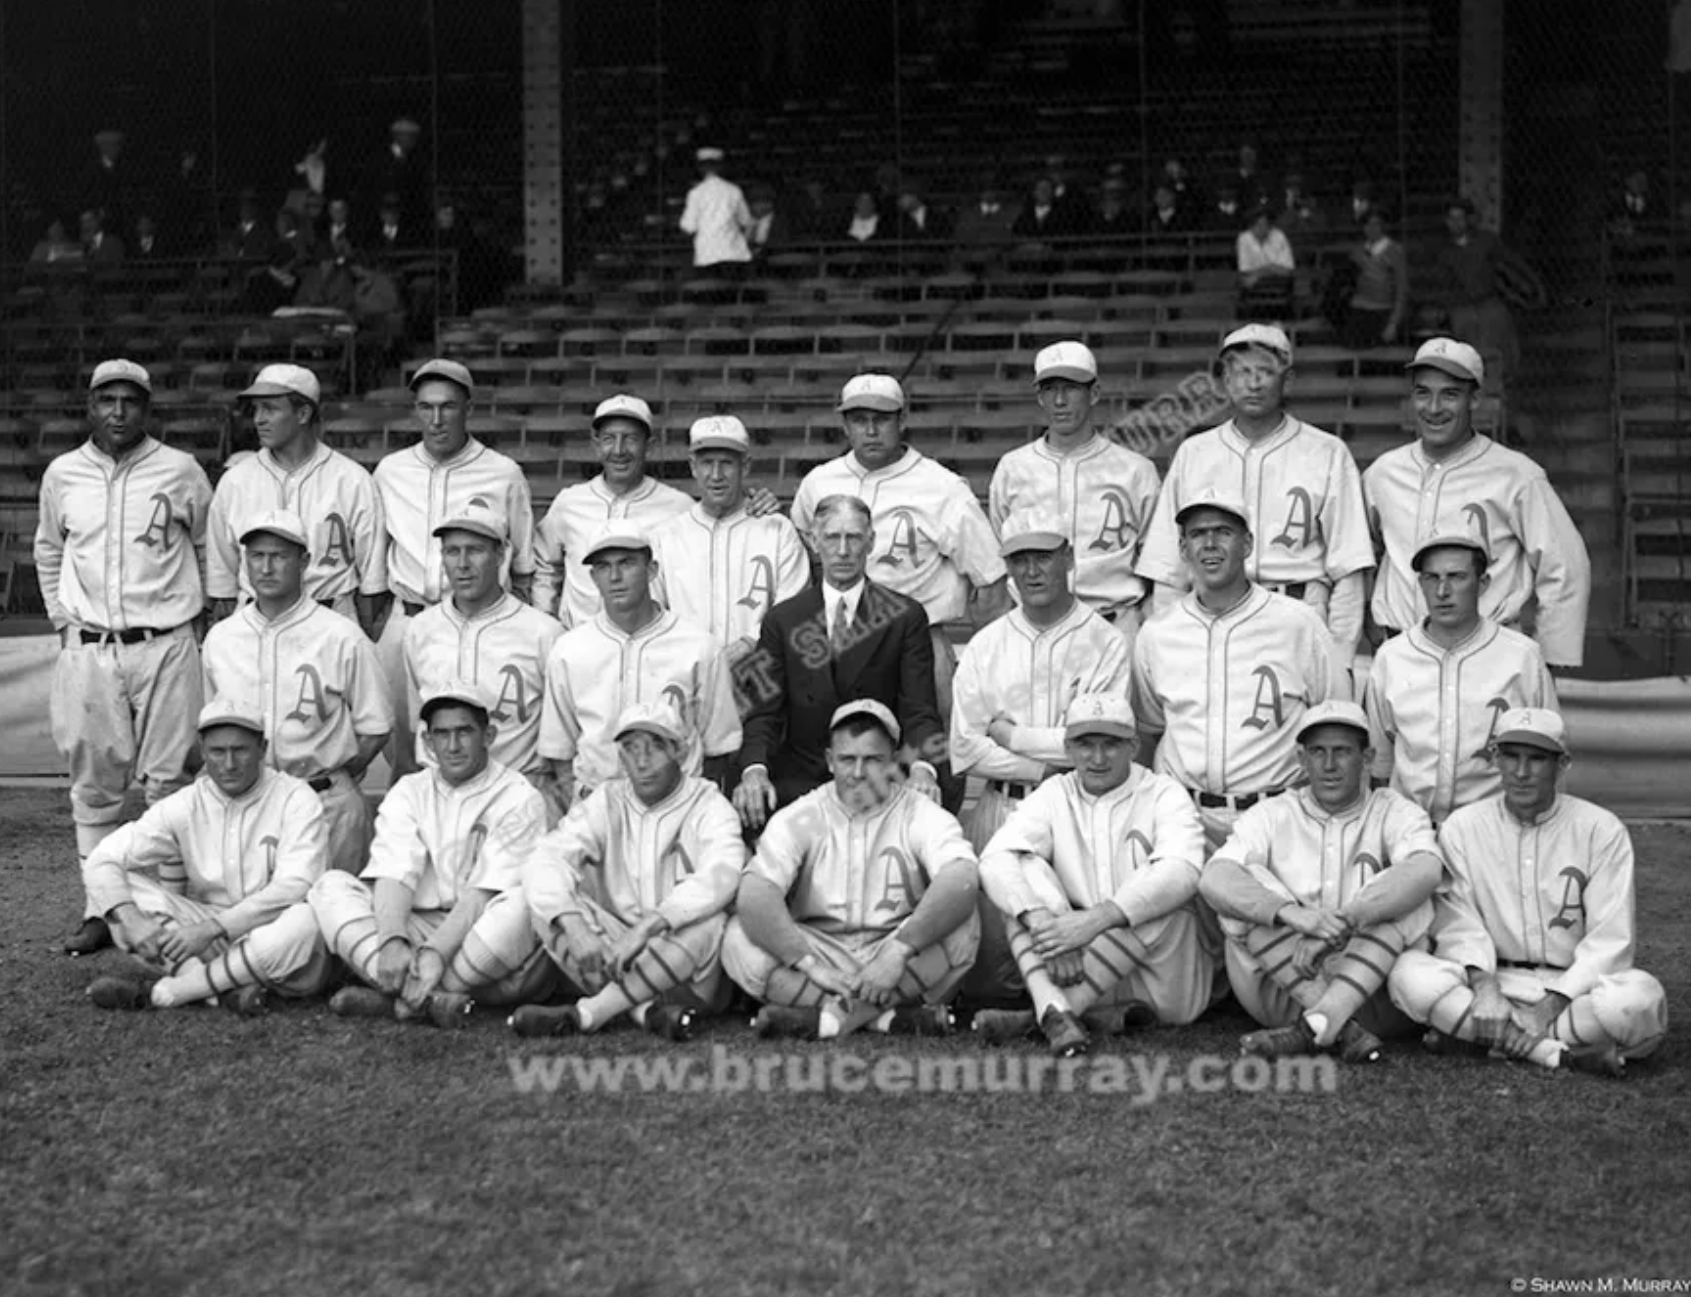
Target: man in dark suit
<point>845,639</point>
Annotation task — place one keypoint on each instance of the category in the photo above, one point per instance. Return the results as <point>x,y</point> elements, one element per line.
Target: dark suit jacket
<point>795,683</point>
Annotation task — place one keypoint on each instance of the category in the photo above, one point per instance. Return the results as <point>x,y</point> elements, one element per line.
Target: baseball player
<point>480,632</point>
<point>1221,683</point>
<point>632,651</point>
<point>1451,480</point>
<point>630,894</point>
<point>428,925</point>
<point>1534,927</point>
<point>933,543</point>
<point>1320,892</point>
<point>1096,874</point>
<point>720,567</point>
<point>235,853</point>
<point>310,674</point>
<point>858,908</point>
<point>120,551</point>
<point>1103,492</point>
<point>1298,482</point>
<point>335,498</point>
<point>1435,692</point>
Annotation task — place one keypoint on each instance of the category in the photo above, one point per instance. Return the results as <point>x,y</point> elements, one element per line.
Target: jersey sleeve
<point>371,701</point>
<point>1458,928</point>
<point>1382,721</point>
<point>520,508</point>
<point>1170,879</point>
<point>1147,707</point>
<point>970,542</point>
<point>972,749</point>
<point>398,852</point>
<point>720,856</point>
<point>719,717</point>
<point>552,873</point>
<point>1607,946</point>
<point>223,552</point>
<point>152,842</point>
<point>369,535</point>
<point>1159,552</point>
<point>1030,830</point>
<point>301,856</point>
<point>560,726</point>
<point>548,561</point>
<point>49,547</point>
<point>1344,519</point>
<point>792,563</point>
<point>1561,568</point>
<point>781,851</point>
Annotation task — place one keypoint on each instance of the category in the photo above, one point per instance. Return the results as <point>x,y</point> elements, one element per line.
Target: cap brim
<point>1444,367</point>
<point>143,384</point>
<point>880,404</point>
<point>239,722</point>
<point>288,536</point>
<point>1040,540</point>
<point>1315,725</point>
<point>646,727</point>
<point>1070,372</point>
<point>474,528</point>
<point>1528,739</point>
<point>718,443</point>
<point>1114,729</point>
<point>1181,517</point>
<point>630,544</point>
<point>273,389</point>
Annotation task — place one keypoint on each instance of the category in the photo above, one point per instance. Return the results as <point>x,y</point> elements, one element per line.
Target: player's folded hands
<point>427,967</point>
<point>393,964</point>
<point>877,981</point>
<point>190,941</point>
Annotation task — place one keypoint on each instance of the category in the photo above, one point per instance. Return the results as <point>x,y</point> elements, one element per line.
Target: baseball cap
<point>405,126</point>
<point>476,515</point>
<point>1451,540</point>
<point>277,522</point>
<point>456,691</point>
<point>229,711</point>
<point>1536,727</point>
<point>450,370</point>
<point>719,432</point>
<point>1270,337</point>
<point>623,406</point>
<point>1030,529</point>
<point>120,371</point>
<point>617,533</point>
<point>1449,356</point>
<point>872,392</point>
<point>709,154</point>
<point>1214,497</point>
<point>1333,713</point>
<point>108,137</point>
<point>1099,714</point>
<point>879,712</point>
<point>1071,360</point>
<point>652,718</point>
<point>286,380</point>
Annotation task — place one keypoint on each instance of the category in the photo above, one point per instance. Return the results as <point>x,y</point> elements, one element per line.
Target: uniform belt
<point>411,609</point>
<point>1011,788</point>
<point>135,636</point>
<point>1528,963</point>
<point>1291,589</point>
<point>1243,802</point>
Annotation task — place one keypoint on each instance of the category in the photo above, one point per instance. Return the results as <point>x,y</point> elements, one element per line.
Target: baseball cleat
<point>1606,1061</point>
<point>1002,1026</point>
<point>1064,1033</point>
<point>246,1001</point>
<point>777,1020</point>
<point>1120,1019</point>
<point>361,1002</point>
<point>1356,1044</point>
<point>545,1020</point>
<point>93,934</point>
<point>670,1022</point>
<point>122,992</point>
<point>1280,1042</point>
<point>923,1020</point>
<point>450,1010</point>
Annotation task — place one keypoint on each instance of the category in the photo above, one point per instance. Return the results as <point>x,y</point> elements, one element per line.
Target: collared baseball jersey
<point>311,674</point>
<point>419,492</point>
<point>1501,498</point>
<point>857,876</point>
<point>503,649</point>
<point>334,497</point>
<point>1324,859</point>
<point>250,856</point>
<point>121,545</point>
<point>1030,674</point>
<point>1432,711</point>
<point>1556,893</point>
<point>1104,494</point>
<point>1228,692</point>
<point>681,858</point>
<point>440,839</point>
<point>1140,845</point>
<point>724,574</point>
<point>931,538</point>
<point>562,583</point>
<point>596,670</point>
<point>1299,486</point>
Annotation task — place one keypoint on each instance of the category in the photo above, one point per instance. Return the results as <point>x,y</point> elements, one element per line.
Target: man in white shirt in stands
<point>717,217</point>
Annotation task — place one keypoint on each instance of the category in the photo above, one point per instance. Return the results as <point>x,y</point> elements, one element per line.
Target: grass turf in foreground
<point>192,1152</point>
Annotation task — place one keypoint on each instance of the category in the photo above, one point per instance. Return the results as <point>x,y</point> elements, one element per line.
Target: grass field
<point>191,1152</point>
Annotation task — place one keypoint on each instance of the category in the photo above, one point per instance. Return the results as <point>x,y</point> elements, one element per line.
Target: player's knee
<point>1631,1007</point>
<point>288,943</point>
<point>1418,981</point>
<point>334,892</point>
<point>745,961</point>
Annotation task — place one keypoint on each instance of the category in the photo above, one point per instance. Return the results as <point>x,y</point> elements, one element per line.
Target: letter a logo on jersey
<point>1302,528</point>
<point>1136,839</point>
<point>1498,706</point>
<point>511,691</point>
<point>676,697</point>
<point>157,533</point>
<point>270,843</point>
<point>313,702</point>
<point>1116,533</point>
<point>760,590</point>
<point>1482,528</point>
<point>683,863</point>
<point>1269,710</point>
<point>1572,913</point>
<point>337,549</point>
<point>903,543</point>
<point>902,889</point>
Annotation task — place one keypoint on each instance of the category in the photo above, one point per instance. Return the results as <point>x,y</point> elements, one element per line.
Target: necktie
<point>841,635</point>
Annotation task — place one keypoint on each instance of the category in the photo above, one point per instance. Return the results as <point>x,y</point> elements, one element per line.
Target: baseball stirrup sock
<point>1042,990</point>
<point>1274,949</point>
<point>357,942</point>
<point>1110,958</point>
<point>1353,976</point>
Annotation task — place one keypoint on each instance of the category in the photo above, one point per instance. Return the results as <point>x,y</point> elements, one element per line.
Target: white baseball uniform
<point>597,670</point>
<point>724,574</point>
<point>1432,711</point>
<point>563,585</point>
<point>245,861</point>
<point>1505,501</point>
<point>336,499</point>
<point>1141,846</point>
<point>1104,493</point>
<point>1548,907</point>
<point>120,552</point>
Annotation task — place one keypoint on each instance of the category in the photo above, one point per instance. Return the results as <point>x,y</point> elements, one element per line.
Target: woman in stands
<point>1381,295</point>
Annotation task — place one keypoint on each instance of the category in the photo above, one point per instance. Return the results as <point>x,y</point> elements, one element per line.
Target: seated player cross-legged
<point>236,851</point>
<point>1320,891</point>
<point>422,927</point>
<point>629,895</point>
<point>858,908</point>
<point>1097,874</point>
<point>1534,927</point>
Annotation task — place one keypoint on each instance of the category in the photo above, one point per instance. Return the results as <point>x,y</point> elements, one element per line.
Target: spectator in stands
<point>249,240</point>
<point>148,247</point>
<point>340,238</point>
<point>987,221</point>
<point>886,195</point>
<point>1166,215</point>
<point>1300,217</point>
<point>770,230</point>
<point>401,172</point>
<point>865,224</point>
<point>1380,300</point>
<point>480,275</point>
<point>1266,268</point>
<point>105,185</point>
<point>274,284</point>
<point>57,248</point>
<point>1361,200</point>
<point>1466,285</point>
<point>1248,182</point>
<point>1114,217</point>
<point>1226,216</point>
<point>313,168</point>
<point>391,231</point>
<point>313,227</point>
<point>100,247</point>
<point>916,219</point>
<point>1186,195</point>
<point>813,216</point>
<point>716,216</point>
<point>1074,213</point>
<point>1634,205</point>
<point>1041,218</point>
